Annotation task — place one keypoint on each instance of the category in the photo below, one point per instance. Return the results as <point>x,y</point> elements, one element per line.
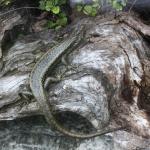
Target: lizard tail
<point>47,111</point>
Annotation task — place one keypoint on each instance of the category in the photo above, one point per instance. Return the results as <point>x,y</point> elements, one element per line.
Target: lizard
<point>37,77</point>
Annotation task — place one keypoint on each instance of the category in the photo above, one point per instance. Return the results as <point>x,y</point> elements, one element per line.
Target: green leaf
<point>56,9</point>
<point>42,5</point>
<point>118,4</point>
<point>87,9</point>
<point>49,5</point>
<point>54,6</point>
<point>94,12</point>
<point>79,8</point>
<point>62,21</point>
<point>57,27</point>
<point>51,24</point>
<point>96,5</point>
<point>90,10</point>
<point>62,2</point>
<point>55,2</point>
<point>62,15</point>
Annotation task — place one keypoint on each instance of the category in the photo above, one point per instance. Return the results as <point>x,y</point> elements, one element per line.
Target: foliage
<point>93,8</point>
<point>55,7</point>
<point>90,9</point>
<point>118,4</point>
<point>59,18</point>
<point>60,22</point>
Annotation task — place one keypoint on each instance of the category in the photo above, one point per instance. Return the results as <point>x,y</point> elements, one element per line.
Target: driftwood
<point>104,88</point>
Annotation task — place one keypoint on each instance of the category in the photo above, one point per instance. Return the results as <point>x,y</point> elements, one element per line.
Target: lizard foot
<point>25,93</point>
<point>58,77</point>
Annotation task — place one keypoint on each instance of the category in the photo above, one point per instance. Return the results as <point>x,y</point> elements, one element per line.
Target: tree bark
<point>103,88</point>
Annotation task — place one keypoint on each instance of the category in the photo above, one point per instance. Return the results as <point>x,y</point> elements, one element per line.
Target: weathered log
<point>11,26</point>
<point>102,89</point>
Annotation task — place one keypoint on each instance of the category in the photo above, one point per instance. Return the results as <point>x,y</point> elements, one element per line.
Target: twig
<point>132,5</point>
<point>136,24</point>
<point>18,9</point>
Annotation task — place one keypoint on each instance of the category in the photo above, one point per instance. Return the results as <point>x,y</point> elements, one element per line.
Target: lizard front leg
<point>51,80</point>
<point>25,93</point>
